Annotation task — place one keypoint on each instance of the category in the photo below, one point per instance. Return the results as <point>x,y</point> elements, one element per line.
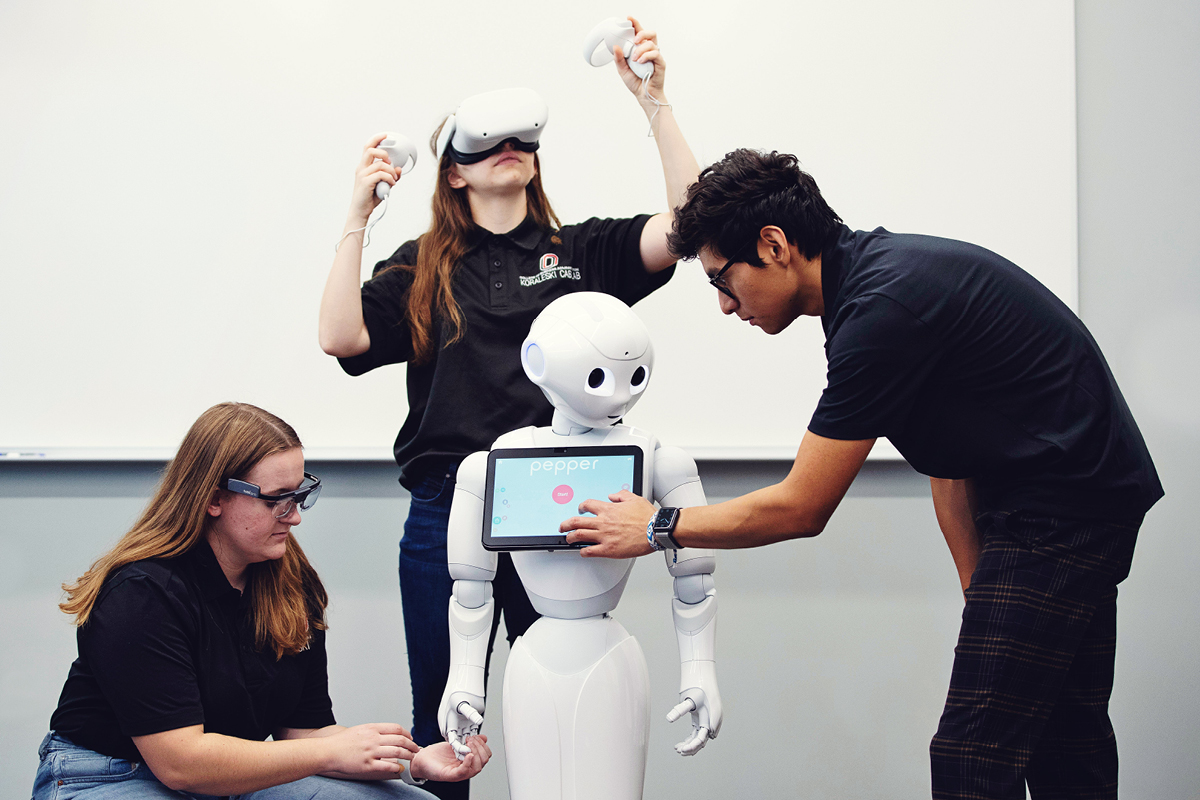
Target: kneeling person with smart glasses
<point>202,633</point>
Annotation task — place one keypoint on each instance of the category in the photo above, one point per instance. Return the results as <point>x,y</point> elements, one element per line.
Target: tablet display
<point>530,491</point>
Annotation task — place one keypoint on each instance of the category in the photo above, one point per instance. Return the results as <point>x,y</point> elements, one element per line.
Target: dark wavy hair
<point>735,198</point>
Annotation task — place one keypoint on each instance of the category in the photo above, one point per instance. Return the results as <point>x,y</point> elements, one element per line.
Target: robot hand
<point>706,720</point>
<point>462,714</point>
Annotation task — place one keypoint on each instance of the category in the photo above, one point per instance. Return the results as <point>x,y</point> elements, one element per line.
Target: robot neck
<point>565,426</point>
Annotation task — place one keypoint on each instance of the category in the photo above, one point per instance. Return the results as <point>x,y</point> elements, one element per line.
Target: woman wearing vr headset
<point>456,304</point>
<point>202,632</point>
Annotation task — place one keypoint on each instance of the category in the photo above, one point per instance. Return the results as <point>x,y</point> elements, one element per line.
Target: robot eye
<point>601,382</point>
<point>637,383</point>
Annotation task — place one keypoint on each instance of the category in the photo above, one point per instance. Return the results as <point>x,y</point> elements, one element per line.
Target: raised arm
<point>471,607</point>
<point>342,332</point>
<point>694,606</point>
<point>679,165</point>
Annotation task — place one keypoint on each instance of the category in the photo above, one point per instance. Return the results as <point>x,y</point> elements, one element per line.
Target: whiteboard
<point>173,177</point>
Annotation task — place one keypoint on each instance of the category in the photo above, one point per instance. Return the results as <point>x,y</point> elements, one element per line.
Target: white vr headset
<point>484,122</point>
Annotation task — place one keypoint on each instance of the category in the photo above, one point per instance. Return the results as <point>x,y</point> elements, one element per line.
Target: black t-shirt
<point>469,393</point>
<point>169,645</point>
<point>973,369</point>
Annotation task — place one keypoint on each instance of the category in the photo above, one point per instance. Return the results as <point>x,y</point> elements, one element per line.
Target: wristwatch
<point>662,528</point>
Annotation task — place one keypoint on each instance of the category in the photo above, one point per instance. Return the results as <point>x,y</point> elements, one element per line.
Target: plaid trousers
<point>1033,669</point>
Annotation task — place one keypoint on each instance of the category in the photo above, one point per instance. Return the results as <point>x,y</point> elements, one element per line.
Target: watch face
<point>665,518</point>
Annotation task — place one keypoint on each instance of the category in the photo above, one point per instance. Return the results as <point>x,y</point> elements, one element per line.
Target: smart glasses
<point>281,504</point>
<point>718,279</point>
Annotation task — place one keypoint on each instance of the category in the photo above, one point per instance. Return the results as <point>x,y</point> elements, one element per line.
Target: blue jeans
<point>68,771</point>
<point>425,588</point>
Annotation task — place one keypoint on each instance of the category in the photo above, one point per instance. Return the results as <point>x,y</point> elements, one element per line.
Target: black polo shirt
<point>169,645</point>
<point>973,369</point>
<point>469,393</point>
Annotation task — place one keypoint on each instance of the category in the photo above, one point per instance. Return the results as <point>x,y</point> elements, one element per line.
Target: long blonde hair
<point>287,600</point>
<point>443,246</point>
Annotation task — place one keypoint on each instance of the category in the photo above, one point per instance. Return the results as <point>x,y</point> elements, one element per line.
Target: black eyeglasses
<point>305,497</point>
<point>718,280</point>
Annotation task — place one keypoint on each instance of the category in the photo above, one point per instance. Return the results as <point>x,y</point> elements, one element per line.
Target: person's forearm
<point>330,730</point>
<point>226,765</point>
<point>799,506</point>
<point>342,332</point>
<point>768,515</point>
<point>680,168</point>
<point>954,505</point>
<point>342,775</point>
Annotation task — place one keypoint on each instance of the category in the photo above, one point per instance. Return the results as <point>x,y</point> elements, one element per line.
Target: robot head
<point>590,355</point>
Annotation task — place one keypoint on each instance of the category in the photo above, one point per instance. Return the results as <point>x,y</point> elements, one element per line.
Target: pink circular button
<point>562,494</point>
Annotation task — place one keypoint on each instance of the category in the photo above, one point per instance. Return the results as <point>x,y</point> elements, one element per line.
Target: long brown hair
<point>287,599</point>
<point>443,246</point>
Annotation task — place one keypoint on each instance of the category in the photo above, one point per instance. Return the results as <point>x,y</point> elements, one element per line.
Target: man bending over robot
<point>987,383</point>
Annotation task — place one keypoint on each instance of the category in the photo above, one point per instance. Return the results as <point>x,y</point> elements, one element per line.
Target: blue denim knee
<point>68,771</point>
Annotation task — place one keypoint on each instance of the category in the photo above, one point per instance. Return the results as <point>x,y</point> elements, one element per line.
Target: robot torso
<point>561,583</point>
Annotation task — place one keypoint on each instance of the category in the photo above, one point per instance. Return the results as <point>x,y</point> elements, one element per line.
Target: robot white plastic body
<point>576,686</point>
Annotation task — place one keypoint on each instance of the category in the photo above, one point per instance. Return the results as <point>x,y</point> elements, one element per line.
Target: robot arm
<point>694,606</point>
<point>471,607</point>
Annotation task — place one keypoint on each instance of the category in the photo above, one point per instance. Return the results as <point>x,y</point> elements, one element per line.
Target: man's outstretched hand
<point>618,529</point>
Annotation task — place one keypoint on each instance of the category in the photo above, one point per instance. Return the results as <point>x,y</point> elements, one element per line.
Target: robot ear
<point>533,361</point>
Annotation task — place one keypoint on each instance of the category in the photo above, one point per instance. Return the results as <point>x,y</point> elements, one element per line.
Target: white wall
<point>861,620</point>
<point>178,173</point>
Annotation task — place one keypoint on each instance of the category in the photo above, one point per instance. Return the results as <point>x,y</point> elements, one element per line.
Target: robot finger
<point>460,748</point>
<point>694,743</point>
<point>467,710</point>
<point>702,719</point>
<point>686,707</point>
<point>689,745</point>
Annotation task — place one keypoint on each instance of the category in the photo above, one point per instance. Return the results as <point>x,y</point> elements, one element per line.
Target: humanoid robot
<point>576,709</point>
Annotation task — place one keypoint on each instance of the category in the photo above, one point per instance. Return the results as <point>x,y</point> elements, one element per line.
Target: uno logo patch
<point>548,269</point>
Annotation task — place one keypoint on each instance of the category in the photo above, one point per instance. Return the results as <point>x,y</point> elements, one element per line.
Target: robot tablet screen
<point>530,491</point>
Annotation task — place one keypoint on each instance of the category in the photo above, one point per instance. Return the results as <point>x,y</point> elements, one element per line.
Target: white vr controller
<point>401,151</point>
<point>614,33</point>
